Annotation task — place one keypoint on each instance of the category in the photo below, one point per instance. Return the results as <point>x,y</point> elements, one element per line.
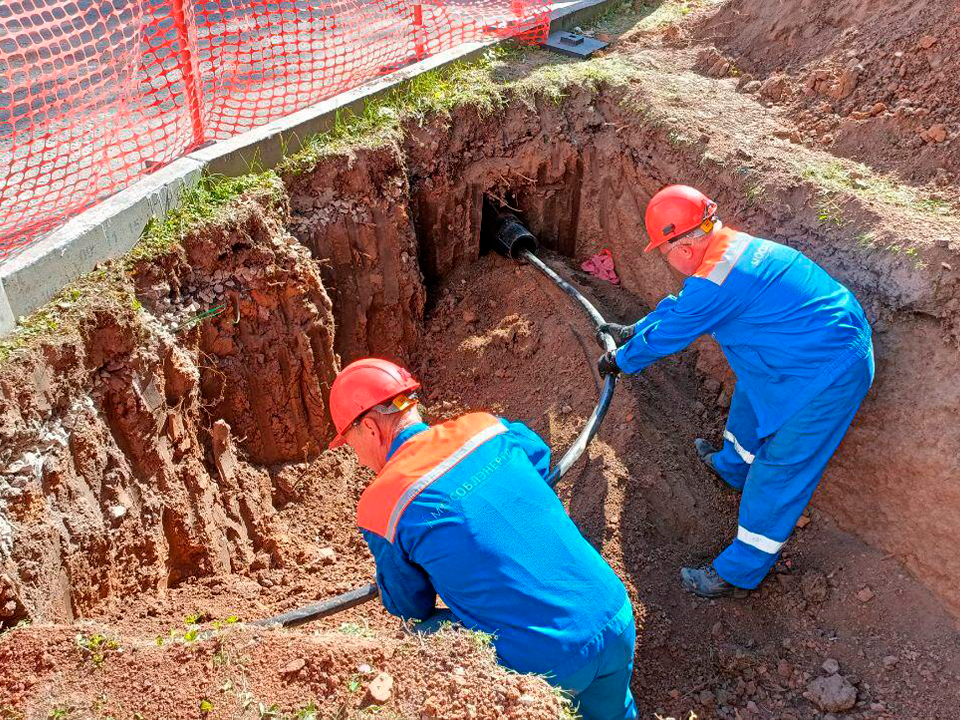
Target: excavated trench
<point>151,468</point>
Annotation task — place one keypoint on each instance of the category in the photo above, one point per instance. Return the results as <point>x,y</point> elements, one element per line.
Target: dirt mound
<point>876,81</point>
<point>122,470</point>
<point>83,671</point>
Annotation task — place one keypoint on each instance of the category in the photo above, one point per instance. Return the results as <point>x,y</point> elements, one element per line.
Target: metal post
<point>186,38</point>
<point>418,43</point>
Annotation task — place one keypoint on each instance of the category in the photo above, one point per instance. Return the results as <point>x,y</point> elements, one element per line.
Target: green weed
<point>307,712</point>
<point>756,193</point>
<point>829,212</point>
<point>198,205</point>
<point>268,713</point>
<point>96,647</point>
<point>352,628</point>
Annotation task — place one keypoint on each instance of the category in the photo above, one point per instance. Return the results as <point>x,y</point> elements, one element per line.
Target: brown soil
<point>151,472</point>
<point>264,674</point>
<point>873,80</point>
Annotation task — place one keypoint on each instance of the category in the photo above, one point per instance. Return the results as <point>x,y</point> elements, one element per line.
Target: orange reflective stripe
<point>722,255</point>
<point>420,461</point>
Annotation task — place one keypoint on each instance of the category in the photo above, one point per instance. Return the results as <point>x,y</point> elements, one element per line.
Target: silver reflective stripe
<point>411,492</point>
<point>760,542</point>
<point>744,454</point>
<point>730,256</point>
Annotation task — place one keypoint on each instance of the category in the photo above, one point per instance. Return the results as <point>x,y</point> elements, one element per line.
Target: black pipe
<point>606,394</point>
<point>510,238</point>
<point>513,240</point>
<point>322,609</point>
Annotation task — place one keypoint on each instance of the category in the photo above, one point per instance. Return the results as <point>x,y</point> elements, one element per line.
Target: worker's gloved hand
<point>619,333</point>
<point>607,364</point>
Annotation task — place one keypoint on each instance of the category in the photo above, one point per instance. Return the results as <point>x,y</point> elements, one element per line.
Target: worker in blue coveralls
<point>462,510</point>
<point>801,349</point>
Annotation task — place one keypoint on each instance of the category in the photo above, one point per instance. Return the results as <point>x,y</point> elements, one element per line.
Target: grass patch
<point>555,81</point>
<point>859,180</point>
<point>198,205</point>
<point>352,628</point>
<point>669,12</point>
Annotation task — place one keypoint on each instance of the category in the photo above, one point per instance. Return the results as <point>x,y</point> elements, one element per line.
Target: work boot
<point>705,582</point>
<point>706,451</point>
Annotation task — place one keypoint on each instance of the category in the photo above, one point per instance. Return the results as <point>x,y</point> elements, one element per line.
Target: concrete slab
<point>7,319</point>
<point>107,230</point>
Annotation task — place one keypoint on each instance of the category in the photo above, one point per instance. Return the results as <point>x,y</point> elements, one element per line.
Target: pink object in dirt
<point>601,265</point>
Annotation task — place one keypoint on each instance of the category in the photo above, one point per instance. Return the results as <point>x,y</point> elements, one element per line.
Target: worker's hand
<point>619,333</point>
<point>607,364</point>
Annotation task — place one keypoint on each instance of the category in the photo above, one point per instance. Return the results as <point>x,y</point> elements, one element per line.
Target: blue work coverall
<point>462,510</point>
<point>801,348</point>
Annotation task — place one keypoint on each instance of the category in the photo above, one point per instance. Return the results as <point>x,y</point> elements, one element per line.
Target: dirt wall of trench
<point>133,454</point>
<point>161,449</point>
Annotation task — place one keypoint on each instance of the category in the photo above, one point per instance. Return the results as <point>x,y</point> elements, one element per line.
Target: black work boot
<point>706,451</point>
<point>705,582</point>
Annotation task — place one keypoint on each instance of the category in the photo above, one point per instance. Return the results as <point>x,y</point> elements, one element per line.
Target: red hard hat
<point>675,211</point>
<point>361,386</point>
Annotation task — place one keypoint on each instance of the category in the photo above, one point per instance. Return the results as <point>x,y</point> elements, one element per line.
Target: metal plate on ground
<point>573,44</point>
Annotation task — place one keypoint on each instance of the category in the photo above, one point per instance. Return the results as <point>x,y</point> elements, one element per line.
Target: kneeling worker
<point>800,346</point>
<point>462,510</point>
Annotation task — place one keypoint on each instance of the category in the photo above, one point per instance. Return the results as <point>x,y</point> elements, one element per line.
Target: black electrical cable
<point>606,394</point>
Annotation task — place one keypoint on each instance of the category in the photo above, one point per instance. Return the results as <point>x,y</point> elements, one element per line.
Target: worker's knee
<point>731,469</point>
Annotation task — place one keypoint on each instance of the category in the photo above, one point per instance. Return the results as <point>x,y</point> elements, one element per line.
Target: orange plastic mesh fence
<point>96,93</point>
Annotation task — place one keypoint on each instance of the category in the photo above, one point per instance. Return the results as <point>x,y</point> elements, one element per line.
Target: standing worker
<point>462,510</point>
<point>800,346</point>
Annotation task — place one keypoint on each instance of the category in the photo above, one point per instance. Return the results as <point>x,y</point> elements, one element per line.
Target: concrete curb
<point>7,319</point>
<point>114,226</point>
<point>105,231</point>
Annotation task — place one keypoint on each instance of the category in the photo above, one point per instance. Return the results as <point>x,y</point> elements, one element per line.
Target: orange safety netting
<point>96,93</point>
